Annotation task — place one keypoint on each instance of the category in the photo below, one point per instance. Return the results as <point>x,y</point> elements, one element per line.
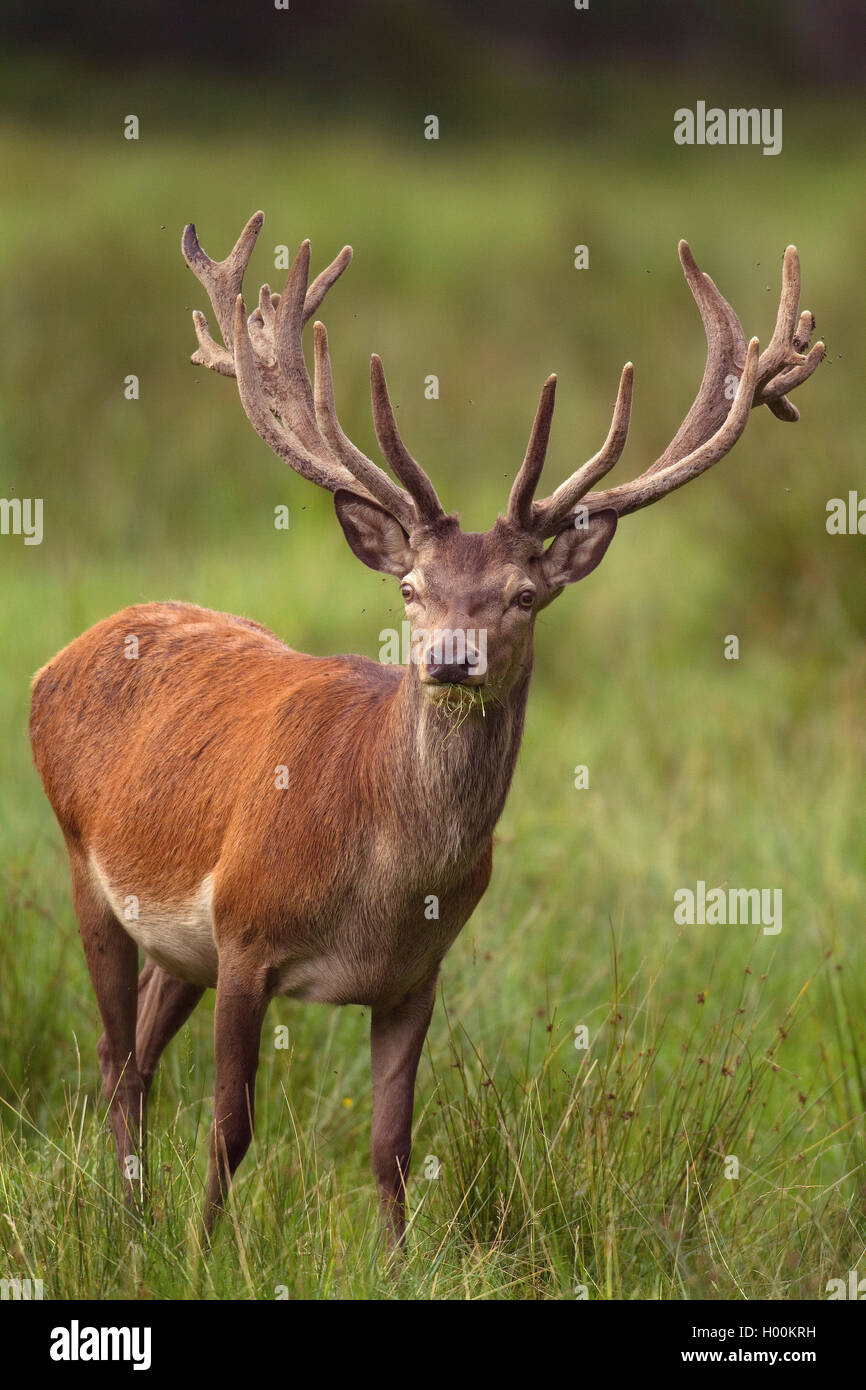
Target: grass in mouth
<point>457,702</point>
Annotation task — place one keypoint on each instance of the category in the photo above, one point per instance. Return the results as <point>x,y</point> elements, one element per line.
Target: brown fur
<point>161,769</point>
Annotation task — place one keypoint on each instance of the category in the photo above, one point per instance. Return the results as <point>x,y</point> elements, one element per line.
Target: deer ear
<point>576,552</point>
<point>374,535</point>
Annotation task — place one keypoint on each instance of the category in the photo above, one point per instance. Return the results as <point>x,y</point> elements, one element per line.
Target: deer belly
<point>178,935</point>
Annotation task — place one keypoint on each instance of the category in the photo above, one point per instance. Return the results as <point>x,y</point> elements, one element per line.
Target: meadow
<point>542,1170</point>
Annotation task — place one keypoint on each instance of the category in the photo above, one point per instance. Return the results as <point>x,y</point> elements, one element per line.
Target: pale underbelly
<point>179,936</point>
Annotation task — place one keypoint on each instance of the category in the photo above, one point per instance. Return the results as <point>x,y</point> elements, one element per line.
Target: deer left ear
<point>575,553</point>
<point>373,534</point>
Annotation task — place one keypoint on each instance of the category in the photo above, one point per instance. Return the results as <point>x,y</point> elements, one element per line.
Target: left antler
<point>713,424</point>
<point>296,419</point>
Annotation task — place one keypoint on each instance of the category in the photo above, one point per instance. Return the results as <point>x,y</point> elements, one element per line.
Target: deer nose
<point>449,673</point>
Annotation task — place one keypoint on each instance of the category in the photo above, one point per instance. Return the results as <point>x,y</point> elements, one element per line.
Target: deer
<point>282,822</point>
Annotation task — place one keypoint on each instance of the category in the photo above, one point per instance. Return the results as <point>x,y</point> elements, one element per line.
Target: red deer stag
<point>281,822</point>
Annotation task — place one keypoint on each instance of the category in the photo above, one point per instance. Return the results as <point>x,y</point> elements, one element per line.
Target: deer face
<point>471,598</point>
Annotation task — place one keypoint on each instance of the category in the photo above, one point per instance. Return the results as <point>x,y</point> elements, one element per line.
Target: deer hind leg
<point>112,959</point>
<point>164,1005</point>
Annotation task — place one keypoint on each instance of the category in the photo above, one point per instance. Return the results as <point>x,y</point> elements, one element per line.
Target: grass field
<point>559,1169</point>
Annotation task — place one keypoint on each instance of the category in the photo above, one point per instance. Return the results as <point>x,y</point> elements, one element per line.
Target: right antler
<point>295,419</point>
<point>713,424</point>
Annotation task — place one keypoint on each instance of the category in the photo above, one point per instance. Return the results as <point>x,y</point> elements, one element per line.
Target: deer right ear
<point>374,535</point>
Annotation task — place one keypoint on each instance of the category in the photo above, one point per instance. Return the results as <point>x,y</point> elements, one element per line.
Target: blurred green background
<point>556,129</point>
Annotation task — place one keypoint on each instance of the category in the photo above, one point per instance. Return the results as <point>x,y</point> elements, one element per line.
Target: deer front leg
<point>241,1000</point>
<point>396,1039</point>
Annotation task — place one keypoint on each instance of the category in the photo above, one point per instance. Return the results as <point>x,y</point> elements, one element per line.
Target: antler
<point>713,424</point>
<point>297,420</point>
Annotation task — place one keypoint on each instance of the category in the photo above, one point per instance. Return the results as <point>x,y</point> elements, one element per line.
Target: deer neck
<point>454,769</point>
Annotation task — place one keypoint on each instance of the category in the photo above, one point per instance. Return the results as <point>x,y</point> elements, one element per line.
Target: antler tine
<point>261,326</point>
<point>209,353</point>
<point>323,282</point>
<point>397,456</point>
<point>779,345</point>
<point>551,511</point>
<point>377,482</point>
<point>288,380</point>
<point>523,488</point>
<point>223,280</point>
<point>726,355</point>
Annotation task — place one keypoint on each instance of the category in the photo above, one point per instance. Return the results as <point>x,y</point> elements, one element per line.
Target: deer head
<point>458,585</point>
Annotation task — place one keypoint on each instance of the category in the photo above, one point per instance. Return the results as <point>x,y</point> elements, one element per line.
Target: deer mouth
<point>435,686</point>
<point>458,702</point>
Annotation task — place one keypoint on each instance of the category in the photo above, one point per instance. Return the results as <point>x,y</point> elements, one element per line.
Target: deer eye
<point>408,592</point>
<point>526,598</point>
